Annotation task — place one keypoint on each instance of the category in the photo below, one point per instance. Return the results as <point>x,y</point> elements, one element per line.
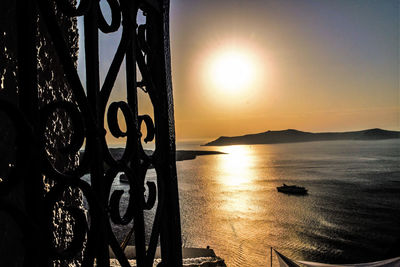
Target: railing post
<point>37,253</point>
<point>159,61</point>
<point>97,177</point>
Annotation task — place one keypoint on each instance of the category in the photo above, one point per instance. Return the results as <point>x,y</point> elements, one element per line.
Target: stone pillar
<point>52,86</point>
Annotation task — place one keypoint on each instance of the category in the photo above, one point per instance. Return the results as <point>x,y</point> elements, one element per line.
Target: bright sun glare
<point>232,71</point>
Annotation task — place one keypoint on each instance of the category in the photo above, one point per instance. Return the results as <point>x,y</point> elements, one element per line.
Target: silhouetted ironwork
<point>145,46</point>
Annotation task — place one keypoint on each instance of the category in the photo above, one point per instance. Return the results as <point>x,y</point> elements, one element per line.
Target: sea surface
<point>351,213</point>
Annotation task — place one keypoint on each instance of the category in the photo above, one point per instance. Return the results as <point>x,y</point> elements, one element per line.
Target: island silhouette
<point>295,136</point>
<point>180,155</point>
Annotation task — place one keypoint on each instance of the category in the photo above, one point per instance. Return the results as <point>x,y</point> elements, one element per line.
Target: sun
<point>232,71</point>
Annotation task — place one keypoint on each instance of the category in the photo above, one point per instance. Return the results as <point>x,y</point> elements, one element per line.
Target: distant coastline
<point>296,136</point>
<point>180,154</point>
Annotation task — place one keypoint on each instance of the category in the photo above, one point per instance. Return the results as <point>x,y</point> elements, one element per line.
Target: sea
<point>230,201</point>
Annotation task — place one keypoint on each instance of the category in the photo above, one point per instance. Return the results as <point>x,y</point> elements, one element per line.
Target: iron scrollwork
<point>145,46</point>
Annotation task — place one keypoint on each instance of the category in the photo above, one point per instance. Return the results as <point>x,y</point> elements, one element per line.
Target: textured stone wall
<point>52,87</point>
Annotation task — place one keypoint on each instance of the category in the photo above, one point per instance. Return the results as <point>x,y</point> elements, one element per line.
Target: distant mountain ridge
<point>295,136</point>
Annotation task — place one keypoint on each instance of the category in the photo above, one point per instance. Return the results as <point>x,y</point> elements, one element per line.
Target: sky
<point>311,65</point>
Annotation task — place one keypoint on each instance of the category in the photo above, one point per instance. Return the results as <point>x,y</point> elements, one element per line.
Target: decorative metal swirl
<point>146,45</point>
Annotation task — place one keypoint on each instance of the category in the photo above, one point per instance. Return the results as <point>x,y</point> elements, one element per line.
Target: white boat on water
<point>292,189</point>
<point>286,262</point>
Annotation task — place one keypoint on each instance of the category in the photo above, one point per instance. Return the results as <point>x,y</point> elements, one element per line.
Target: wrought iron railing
<point>145,46</point>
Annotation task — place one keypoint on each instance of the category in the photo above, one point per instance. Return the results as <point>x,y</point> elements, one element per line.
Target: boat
<point>285,262</point>
<point>292,189</point>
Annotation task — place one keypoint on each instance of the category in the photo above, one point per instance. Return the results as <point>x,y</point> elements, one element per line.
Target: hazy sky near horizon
<point>313,65</point>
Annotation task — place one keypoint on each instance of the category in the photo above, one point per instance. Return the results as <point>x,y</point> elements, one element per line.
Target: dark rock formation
<point>293,136</point>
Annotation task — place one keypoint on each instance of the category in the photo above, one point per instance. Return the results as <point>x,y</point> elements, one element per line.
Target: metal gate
<point>144,46</point>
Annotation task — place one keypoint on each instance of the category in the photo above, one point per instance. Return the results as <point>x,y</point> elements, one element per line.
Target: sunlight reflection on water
<point>235,167</point>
